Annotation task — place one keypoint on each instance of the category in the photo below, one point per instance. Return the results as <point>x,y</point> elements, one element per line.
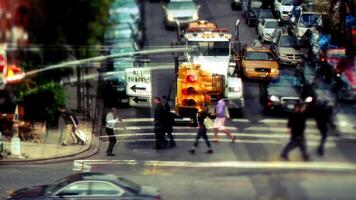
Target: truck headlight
<point>170,17</point>
<point>274,98</point>
<point>274,70</point>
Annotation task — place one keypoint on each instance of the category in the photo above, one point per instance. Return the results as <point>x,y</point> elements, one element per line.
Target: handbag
<point>208,123</point>
<point>227,113</point>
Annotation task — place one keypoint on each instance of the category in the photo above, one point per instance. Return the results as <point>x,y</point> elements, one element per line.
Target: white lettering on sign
<point>138,82</point>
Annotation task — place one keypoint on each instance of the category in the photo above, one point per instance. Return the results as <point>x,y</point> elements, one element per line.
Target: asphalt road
<point>247,169</point>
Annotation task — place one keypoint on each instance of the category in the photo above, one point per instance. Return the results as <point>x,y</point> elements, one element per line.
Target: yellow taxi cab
<point>257,62</point>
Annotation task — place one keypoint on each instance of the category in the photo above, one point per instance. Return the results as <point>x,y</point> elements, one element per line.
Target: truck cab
<point>214,55</point>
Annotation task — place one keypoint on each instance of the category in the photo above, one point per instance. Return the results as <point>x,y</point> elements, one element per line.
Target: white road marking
<point>128,120</point>
<point>85,165</point>
<point>262,121</point>
<point>314,143</point>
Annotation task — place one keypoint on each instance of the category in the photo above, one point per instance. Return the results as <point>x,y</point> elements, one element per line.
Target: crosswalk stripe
<point>231,128</point>
<point>238,134</point>
<point>314,143</point>
<point>85,165</point>
<point>262,121</point>
<point>128,120</point>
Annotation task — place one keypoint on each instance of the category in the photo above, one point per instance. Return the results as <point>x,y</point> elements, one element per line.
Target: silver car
<point>285,46</point>
<point>180,12</point>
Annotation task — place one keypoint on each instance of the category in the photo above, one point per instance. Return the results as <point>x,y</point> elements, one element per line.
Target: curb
<point>91,150</point>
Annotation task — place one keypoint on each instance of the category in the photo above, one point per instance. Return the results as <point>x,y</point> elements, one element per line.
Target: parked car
<point>182,12</point>
<point>282,94</point>
<point>258,63</point>
<point>266,28</point>
<point>283,8</point>
<point>286,47</point>
<point>263,14</point>
<point>89,185</point>
<point>124,30</point>
<point>250,11</point>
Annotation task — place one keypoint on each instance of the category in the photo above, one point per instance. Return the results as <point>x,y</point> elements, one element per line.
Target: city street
<point>250,168</point>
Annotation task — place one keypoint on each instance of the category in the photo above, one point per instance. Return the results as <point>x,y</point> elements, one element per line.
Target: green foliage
<point>41,102</point>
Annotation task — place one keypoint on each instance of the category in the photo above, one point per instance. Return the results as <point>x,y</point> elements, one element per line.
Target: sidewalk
<point>51,149</point>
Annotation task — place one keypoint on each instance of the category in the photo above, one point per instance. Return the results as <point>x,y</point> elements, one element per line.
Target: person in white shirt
<point>111,119</point>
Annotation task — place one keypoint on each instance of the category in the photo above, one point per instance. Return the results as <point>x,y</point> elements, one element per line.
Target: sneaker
<point>284,158</point>
<point>306,158</point>
<point>63,144</point>
<point>233,139</point>
<point>320,151</point>
<point>192,151</point>
<point>110,154</point>
<point>210,151</point>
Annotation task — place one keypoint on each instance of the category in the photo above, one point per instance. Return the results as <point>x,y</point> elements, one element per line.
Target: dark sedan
<point>90,185</point>
<point>281,94</point>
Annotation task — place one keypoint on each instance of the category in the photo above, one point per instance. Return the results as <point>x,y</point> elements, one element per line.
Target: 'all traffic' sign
<point>138,82</point>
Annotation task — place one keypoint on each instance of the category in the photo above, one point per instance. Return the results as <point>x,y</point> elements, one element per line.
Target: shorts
<point>219,123</point>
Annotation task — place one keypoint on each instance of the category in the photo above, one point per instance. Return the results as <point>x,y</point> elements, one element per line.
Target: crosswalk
<point>264,131</point>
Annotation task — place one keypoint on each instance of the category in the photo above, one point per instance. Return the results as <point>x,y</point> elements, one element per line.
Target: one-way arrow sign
<point>138,82</point>
<point>140,101</point>
<point>134,88</point>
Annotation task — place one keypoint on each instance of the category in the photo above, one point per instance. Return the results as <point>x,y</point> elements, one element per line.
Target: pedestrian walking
<point>296,124</point>
<point>110,120</point>
<point>168,122</point>
<point>202,130</point>
<point>219,122</point>
<point>322,115</point>
<point>158,123</point>
<point>71,124</point>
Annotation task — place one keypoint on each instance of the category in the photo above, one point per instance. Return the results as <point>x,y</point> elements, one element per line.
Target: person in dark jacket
<point>322,116</point>
<point>158,123</point>
<point>70,125</point>
<point>168,122</point>
<point>202,131</point>
<point>296,124</point>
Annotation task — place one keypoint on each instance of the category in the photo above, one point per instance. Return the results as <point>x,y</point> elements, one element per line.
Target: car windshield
<point>181,5</point>
<point>217,48</point>
<point>262,56</point>
<point>310,20</point>
<point>266,14</point>
<point>287,41</point>
<point>256,4</point>
<point>129,184</point>
<point>58,185</point>
<point>287,2</point>
<point>271,24</point>
<point>285,81</point>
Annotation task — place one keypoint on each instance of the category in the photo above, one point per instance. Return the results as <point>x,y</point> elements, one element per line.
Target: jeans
<point>159,133</point>
<point>112,139</point>
<point>202,133</point>
<point>293,143</point>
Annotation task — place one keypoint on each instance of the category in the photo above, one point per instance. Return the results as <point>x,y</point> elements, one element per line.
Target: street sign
<point>138,82</point>
<point>140,101</point>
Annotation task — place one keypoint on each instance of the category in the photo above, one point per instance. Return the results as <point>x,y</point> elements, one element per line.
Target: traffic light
<point>14,74</point>
<point>191,88</point>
